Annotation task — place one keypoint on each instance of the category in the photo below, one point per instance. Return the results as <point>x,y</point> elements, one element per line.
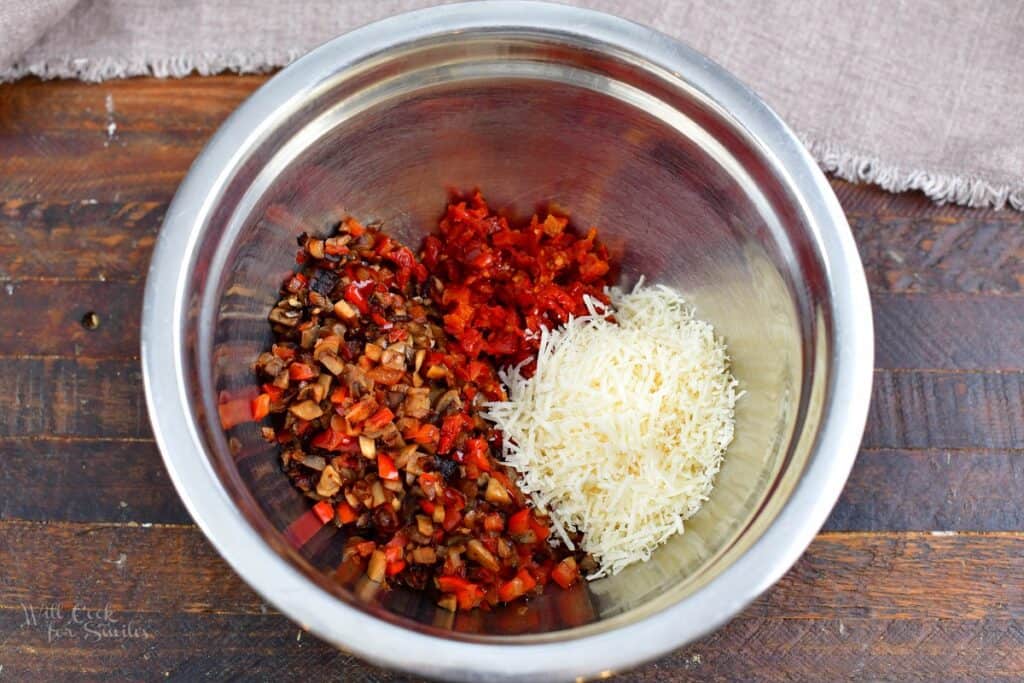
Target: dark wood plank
<point>77,240</point>
<point>72,397</point>
<point>950,332</point>
<point>86,481</point>
<point>937,249</point>
<point>134,166</point>
<point>193,104</point>
<point>946,410</point>
<point>972,490</point>
<point>910,409</point>
<point>190,647</point>
<point>911,331</point>
<point>48,318</point>
<point>813,650</point>
<point>885,576</point>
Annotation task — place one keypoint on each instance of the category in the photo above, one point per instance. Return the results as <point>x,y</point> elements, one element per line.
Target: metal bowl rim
<point>284,585</point>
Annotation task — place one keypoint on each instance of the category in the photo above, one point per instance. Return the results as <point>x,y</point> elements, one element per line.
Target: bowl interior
<point>677,188</point>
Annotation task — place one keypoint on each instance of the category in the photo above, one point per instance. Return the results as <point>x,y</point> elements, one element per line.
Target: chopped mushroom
<point>374,406</point>
<point>307,410</point>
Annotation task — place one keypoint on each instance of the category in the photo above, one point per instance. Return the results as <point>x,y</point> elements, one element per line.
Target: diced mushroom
<point>358,382</point>
<point>377,566</point>
<point>330,482</point>
<point>420,355</point>
<point>315,462</point>
<point>417,402</point>
<point>334,365</point>
<point>308,337</point>
<point>425,525</point>
<point>307,410</point>
<point>345,311</point>
<point>285,316</point>
<point>393,357</point>
<point>424,555</point>
<point>449,401</point>
<point>373,352</point>
<point>481,555</point>
<point>496,492</point>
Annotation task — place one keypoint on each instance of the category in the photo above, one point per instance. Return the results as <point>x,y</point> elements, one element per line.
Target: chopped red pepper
<point>331,440</point>
<point>323,511</point>
<point>380,419</point>
<point>345,513</point>
<point>519,523</point>
<point>261,407</point>
<point>386,467</point>
<point>427,434</point>
<point>518,586</point>
<point>300,371</point>
<point>358,293</point>
<point>566,573</point>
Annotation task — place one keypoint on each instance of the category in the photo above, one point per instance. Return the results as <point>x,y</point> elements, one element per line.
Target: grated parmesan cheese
<point>621,430</point>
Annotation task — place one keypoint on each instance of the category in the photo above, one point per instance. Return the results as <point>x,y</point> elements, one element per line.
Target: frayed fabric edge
<point>942,188</point>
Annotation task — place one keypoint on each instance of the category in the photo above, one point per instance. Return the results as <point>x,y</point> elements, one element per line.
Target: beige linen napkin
<point>911,94</point>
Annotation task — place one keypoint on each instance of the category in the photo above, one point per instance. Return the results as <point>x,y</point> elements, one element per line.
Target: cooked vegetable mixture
<point>373,386</point>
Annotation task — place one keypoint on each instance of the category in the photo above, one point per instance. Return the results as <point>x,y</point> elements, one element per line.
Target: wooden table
<point>919,573</point>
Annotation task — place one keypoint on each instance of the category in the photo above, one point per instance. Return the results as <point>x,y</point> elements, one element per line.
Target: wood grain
<point>949,331</point>
<point>190,647</point>
<point>46,318</point>
<point>885,576</point>
<point>909,409</point>
<point>86,174</point>
<point>911,331</point>
<point>941,490</point>
<point>86,481</point>
<point>946,410</point>
<point>72,397</point>
<point>77,240</point>
<point>978,490</point>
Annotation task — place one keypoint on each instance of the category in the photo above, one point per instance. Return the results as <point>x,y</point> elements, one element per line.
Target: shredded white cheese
<point>621,430</point>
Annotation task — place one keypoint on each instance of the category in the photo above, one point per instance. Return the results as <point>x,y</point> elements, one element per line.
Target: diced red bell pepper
<point>345,513</point>
<point>453,584</point>
<point>541,531</point>
<point>452,518</point>
<point>386,467</point>
<point>451,427</point>
<point>260,407</point>
<point>566,573</point>
<point>477,453</point>
<point>519,523</point>
<point>358,294</point>
<point>494,522</point>
<point>283,352</point>
<point>427,434</point>
<point>300,371</point>
<point>339,395</point>
<point>380,419</point>
<point>323,511</point>
<point>395,567</point>
<point>517,587</point>
<point>331,440</point>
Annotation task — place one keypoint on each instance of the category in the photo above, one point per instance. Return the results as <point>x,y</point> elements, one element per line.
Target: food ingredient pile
<point>385,370</point>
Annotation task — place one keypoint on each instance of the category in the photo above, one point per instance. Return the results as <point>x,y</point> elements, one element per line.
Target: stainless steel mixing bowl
<point>691,179</point>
